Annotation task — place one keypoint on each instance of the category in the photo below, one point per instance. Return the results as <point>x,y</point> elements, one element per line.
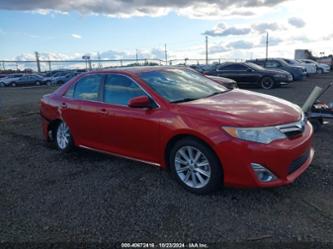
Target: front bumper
<point>284,80</point>
<point>280,157</point>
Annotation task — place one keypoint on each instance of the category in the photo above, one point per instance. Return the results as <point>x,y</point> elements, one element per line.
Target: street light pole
<point>267,47</point>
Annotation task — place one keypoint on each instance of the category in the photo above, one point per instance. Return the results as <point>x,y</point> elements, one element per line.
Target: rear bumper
<point>45,127</point>
<point>278,157</point>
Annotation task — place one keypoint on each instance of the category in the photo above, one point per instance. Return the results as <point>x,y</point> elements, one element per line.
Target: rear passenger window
<point>87,88</point>
<point>273,64</point>
<point>119,89</point>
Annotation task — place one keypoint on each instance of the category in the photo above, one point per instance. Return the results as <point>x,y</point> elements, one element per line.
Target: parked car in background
<point>321,67</point>
<point>172,117</point>
<point>6,81</point>
<point>50,79</point>
<point>62,78</point>
<point>228,83</point>
<point>201,68</point>
<point>29,79</point>
<point>310,68</point>
<point>251,74</point>
<point>297,72</point>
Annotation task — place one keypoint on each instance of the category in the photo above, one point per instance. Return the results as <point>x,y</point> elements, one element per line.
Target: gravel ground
<point>46,196</point>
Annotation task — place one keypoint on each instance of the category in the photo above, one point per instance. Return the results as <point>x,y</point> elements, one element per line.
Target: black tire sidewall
<point>316,124</point>
<point>216,179</point>
<point>70,145</point>
<point>267,78</point>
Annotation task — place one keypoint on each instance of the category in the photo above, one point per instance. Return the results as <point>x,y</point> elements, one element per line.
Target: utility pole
<point>50,69</point>
<point>136,55</point>
<point>99,60</point>
<point>206,50</point>
<point>38,62</point>
<point>166,54</point>
<point>267,47</point>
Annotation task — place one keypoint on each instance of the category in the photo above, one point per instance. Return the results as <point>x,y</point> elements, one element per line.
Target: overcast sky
<point>62,29</point>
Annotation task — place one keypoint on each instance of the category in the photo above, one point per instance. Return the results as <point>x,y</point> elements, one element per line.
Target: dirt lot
<point>46,196</point>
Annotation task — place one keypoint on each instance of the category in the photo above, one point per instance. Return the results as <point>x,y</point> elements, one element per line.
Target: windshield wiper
<point>216,93</point>
<point>183,100</point>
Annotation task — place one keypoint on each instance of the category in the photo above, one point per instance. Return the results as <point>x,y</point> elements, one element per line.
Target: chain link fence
<point>46,66</point>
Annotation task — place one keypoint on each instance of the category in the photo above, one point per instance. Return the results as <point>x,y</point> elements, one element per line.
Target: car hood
<point>220,79</point>
<point>275,71</point>
<point>297,67</point>
<point>324,65</point>
<point>244,109</point>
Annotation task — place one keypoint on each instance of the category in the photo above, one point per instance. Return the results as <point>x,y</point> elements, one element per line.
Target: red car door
<point>80,109</point>
<point>132,132</point>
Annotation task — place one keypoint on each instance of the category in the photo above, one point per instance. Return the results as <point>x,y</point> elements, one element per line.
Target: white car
<point>311,68</point>
<point>321,68</point>
<point>9,79</point>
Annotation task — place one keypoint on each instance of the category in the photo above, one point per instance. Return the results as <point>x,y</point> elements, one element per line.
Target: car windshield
<point>255,66</point>
<point>291,62</point>
<point>179,85</point>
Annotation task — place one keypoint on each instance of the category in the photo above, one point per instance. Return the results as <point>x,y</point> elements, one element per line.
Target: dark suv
<point>297,72</point>
<point>251,74</point>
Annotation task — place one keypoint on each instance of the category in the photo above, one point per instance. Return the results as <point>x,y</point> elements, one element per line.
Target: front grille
<point>293,129</point>
<point>296,164</point>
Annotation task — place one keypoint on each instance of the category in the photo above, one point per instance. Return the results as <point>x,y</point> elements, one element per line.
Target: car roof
<point>137,70</point>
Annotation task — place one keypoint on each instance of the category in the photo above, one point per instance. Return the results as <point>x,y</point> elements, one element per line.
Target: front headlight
<point>263,135</point>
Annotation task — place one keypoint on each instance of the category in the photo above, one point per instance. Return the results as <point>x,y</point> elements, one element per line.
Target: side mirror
<point>139,102</point>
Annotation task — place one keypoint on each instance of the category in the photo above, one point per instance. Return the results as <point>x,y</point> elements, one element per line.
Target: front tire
<point>320,71</point>
<point>13,84</point>
<point>63,137</point>
<point>195,166</point>
<point>267,83</point>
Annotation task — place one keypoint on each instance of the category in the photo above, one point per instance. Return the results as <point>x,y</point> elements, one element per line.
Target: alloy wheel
<point>63,136</point>
<point>267,83</point>
<point>192,167</point>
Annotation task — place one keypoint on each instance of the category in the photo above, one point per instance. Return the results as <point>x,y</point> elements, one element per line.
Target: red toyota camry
<point>174,117</point>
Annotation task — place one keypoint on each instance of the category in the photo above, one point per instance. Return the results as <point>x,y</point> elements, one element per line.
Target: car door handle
<point>64,105</point>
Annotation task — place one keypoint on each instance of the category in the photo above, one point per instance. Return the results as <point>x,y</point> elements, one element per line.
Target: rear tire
<point>195,166</point>
<point>320,71</point>
<point>37,83</point>
<point>13,84</point>
<point>63,138</point>
<point>267,83</point>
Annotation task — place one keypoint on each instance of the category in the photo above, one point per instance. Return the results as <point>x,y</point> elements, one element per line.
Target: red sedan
<point>174,117</point>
